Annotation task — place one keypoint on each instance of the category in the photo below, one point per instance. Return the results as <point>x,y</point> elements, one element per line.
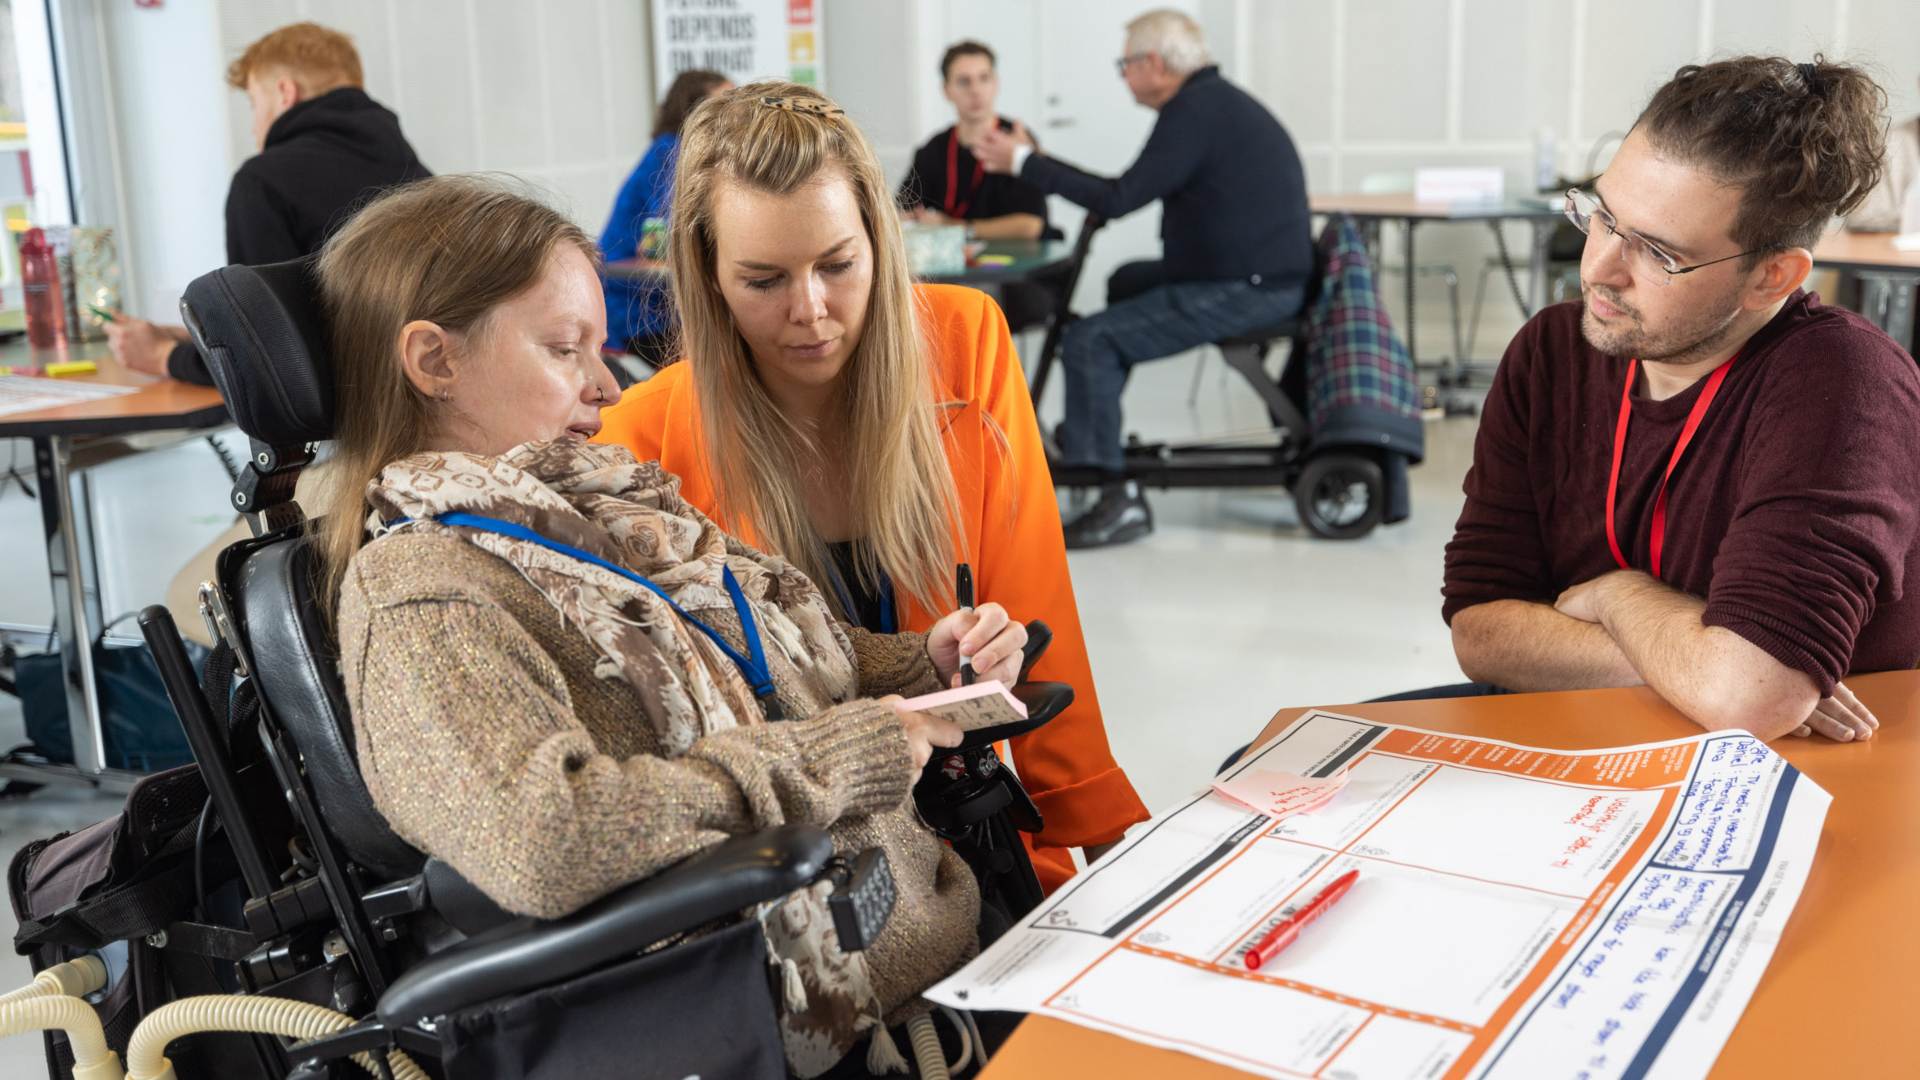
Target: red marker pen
<point>1281,936</point>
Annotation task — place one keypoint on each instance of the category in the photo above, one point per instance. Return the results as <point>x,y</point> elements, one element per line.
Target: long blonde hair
<point>448,250</point>
<point>902,495</point>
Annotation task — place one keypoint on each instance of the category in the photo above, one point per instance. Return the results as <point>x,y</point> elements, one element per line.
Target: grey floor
<point>1198,634</point>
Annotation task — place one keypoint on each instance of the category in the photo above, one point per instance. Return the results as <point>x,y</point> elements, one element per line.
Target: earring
<point>444,396</point>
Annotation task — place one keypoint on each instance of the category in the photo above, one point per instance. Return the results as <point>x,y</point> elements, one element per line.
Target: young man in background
<point>324,147</point>
<point>947,184</point>
<point>1699,477</point>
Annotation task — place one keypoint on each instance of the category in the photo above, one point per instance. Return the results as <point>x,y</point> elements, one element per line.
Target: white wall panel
<point>1886,33</point>
<point>511,115</point>
<point>1513,74</point>
<point>872,72</point>
<point>1793,28</point>
<point>1391,45</point>
<point>1292,65</point>
<point>1632,47</point>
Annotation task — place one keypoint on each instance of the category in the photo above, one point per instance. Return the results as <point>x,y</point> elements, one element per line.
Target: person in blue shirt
<point>640,316</point>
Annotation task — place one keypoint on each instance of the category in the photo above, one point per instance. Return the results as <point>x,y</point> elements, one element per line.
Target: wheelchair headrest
<point>260,331</point>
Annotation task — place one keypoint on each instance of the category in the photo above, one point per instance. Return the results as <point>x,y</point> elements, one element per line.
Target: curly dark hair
<point>689,88</point>
<point>1804,141</point>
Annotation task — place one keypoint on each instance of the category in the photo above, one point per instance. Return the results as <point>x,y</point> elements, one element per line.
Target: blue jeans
<point>1099,351</point>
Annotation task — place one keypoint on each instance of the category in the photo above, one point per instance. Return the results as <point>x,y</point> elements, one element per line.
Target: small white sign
<point>1475,183</point>
<point>741,39</point>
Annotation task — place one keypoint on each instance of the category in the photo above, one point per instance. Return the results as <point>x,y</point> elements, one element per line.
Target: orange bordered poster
<point>1519,912</point>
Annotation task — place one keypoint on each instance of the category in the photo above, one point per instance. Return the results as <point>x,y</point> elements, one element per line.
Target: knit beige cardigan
<point>487,740</point>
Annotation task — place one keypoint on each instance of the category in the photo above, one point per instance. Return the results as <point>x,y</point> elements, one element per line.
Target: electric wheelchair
<point>265,871</point>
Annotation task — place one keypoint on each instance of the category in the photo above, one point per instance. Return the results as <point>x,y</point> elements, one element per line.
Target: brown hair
<point>689,89</point>
<point>448,250</point>
<point>964,48</point>
<point>316,58</point>
<point>775,137</point>
<point>1804,141</point>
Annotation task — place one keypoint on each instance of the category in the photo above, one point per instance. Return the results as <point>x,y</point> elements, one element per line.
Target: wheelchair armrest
<point>528,953</point>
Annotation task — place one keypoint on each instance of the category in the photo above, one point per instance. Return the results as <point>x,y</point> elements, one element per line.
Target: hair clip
<point>811,108</point>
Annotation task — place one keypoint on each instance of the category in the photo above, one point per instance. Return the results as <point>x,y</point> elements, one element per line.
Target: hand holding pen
<point>972,642</point>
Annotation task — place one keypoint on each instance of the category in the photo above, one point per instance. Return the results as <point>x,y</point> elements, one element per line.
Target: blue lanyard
<point>758,675</point>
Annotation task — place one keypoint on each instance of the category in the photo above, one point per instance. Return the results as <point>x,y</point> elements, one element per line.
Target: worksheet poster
<point>741,39</point>
<point>1520,913</point>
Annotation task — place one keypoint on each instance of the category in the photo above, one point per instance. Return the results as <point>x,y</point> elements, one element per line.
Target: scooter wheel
<point>1341,496</point>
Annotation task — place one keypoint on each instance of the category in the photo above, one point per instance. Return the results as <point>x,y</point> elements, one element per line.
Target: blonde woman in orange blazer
<point>873,431</point>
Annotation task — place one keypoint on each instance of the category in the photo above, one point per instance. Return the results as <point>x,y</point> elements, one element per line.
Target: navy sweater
<point>1229,180</point>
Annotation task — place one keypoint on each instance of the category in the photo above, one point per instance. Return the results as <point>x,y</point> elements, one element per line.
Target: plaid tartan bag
<point>1361,387</point>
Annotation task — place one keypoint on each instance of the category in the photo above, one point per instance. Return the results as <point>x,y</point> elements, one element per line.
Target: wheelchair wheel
<point>1341,496</point>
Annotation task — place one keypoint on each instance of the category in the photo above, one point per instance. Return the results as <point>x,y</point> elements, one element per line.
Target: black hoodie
<point>322,159</point>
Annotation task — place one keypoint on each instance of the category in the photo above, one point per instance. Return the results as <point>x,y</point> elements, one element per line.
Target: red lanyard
<point>959,209</point>
<point>1694,416</point>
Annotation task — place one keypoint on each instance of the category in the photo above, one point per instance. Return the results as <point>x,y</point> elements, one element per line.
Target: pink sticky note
<point>982,705</point>
<point>1281,794</point>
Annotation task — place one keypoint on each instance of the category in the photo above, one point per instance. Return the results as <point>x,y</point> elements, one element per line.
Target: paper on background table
<point>1281,794</point>
<point>26,393</point>
<point>1520,913</point>
<point>982,705</point>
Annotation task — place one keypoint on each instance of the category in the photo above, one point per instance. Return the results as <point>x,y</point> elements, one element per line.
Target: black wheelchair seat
<point>294,660</point>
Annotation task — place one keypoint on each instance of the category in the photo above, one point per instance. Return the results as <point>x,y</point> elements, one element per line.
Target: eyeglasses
<point>1643,257</point>
<point>1130,58</point>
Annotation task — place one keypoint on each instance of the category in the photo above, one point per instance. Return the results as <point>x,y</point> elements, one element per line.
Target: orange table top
<point>159,404</point>
<point>1863,251</point>
<point>1837,998</point>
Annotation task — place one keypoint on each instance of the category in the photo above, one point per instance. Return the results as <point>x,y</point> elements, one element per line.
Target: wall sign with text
<point>742,39</point>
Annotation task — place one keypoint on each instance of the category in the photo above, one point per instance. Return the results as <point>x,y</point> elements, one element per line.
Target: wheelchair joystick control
<point>862,898</point>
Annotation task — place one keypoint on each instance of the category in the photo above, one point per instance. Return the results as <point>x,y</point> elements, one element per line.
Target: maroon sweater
<point>1794,512</point>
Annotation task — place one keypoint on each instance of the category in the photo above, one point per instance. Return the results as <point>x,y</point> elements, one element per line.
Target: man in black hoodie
<point>325,147</point>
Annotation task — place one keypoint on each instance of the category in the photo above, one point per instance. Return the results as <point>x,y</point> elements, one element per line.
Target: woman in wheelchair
<point>872,430</point>
<point>561,674</point>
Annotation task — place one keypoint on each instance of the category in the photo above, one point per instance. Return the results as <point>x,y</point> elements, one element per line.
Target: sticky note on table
<point>985,704</point>
<point>1281,794</point>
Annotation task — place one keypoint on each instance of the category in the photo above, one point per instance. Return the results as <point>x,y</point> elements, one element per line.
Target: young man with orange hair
<point>324,146</point>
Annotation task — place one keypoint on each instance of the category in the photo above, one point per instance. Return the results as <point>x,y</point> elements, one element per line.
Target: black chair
<point>336,910</point>
<point>1064,279</point>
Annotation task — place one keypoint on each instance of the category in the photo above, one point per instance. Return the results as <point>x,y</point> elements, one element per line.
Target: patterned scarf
<point>599,499</point>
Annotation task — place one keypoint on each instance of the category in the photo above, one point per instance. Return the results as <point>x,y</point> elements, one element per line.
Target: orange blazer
<point>1011,525</point>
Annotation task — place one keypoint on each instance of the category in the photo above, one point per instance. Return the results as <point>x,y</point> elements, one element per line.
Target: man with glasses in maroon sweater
<point>1700,478</point>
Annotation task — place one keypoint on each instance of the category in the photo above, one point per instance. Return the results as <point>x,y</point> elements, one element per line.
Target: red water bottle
<point>46,308</point>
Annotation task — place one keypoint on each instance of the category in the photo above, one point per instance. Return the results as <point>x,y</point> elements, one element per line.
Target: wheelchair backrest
<point>263,337</point>
<point>269,584</point>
